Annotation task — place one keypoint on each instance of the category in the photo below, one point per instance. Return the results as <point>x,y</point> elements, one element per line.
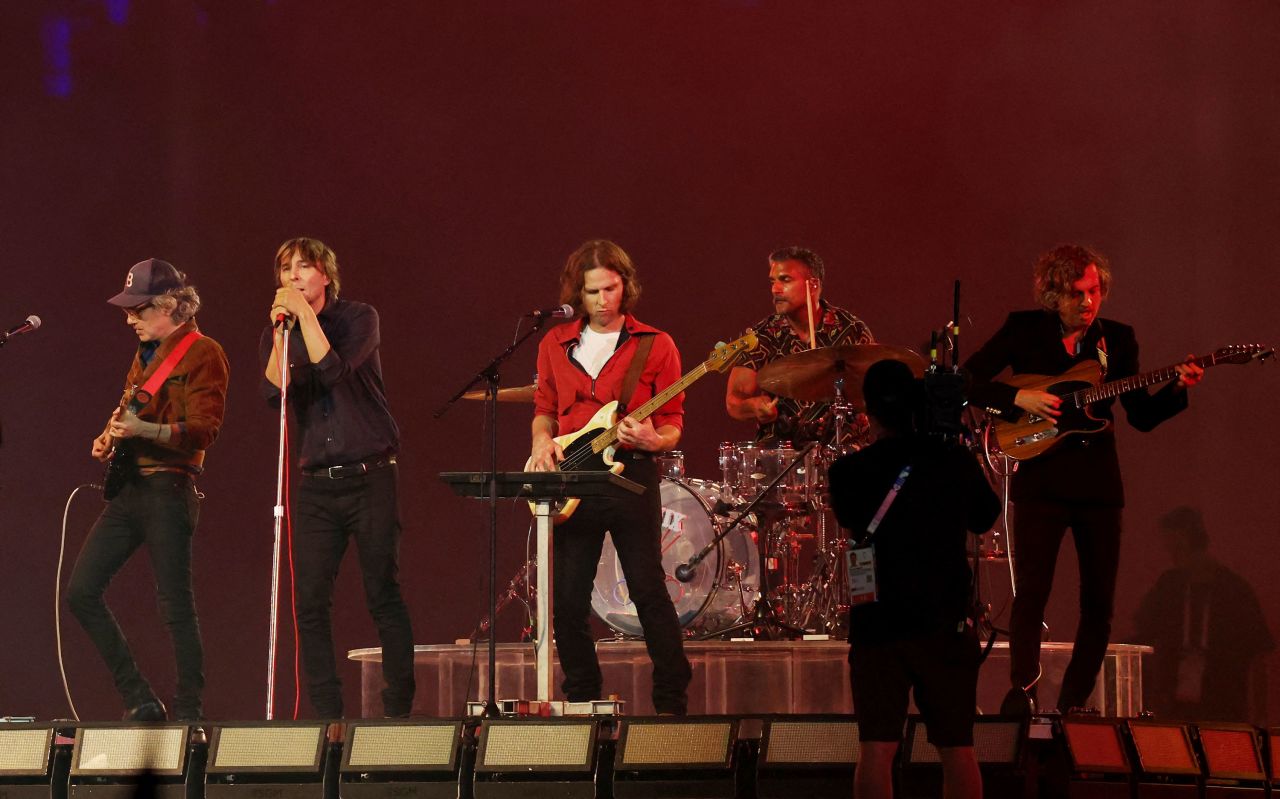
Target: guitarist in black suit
<point>154,503</point>
<point>582,366</point>
<point>1077,483</point>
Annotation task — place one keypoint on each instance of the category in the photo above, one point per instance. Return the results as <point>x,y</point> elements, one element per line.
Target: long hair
<point>598,254</point>
<point>313,251</point>
<point>1057,269</point>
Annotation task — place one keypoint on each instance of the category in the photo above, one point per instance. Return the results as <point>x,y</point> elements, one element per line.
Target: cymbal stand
<point>521,590</point>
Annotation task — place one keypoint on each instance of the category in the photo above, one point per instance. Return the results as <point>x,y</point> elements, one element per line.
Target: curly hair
<point>805,256</point>
<point>1057,269</point>
<point>598,254</point>
<point>315,252</point>
<point>183,303</point>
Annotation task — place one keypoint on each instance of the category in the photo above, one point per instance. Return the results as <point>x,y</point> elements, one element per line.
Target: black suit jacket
<point>1081,469</point>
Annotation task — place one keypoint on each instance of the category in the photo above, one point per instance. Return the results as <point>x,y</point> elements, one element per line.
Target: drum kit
<point>774,562</point>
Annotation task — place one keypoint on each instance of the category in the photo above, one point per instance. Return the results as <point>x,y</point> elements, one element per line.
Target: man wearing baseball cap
<point>175,393</point>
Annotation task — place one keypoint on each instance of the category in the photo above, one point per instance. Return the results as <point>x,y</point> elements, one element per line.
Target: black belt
<point>351,469</point>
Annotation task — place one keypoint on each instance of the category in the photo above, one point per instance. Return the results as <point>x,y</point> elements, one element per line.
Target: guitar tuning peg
<point>720,345</point>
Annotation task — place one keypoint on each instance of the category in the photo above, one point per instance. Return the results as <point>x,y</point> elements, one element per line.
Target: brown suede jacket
<point>191,401</point>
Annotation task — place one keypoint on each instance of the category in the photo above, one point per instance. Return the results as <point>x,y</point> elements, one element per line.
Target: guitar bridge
<point>1051,432</point>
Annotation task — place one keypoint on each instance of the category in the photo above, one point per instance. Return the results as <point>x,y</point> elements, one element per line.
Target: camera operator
<point>913,498</point>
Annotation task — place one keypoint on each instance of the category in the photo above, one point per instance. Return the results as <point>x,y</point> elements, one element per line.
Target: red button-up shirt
<point>569,395</point>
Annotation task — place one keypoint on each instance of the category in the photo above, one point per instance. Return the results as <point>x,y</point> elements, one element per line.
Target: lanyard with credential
<point>860,561</point>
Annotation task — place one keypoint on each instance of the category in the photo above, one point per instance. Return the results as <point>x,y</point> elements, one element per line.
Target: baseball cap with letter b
<point>147,280</point>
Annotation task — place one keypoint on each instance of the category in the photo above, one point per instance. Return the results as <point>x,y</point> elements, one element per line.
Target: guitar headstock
<point>724,355</point>
<point>1242,353</point>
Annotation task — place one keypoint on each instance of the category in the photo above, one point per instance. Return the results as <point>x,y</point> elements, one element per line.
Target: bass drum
<point>724,588</point>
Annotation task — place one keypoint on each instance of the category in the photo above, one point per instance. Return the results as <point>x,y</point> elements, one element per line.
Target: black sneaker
<point>150,710</point>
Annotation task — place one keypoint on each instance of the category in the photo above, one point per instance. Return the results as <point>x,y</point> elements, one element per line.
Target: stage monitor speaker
<point>271,760</point>
<point>536,758</point>
<point>676,757</point>
<point>1166,758</point>
<point>997,743</point>
<point>397,759</point>
<point>1232,760</point>
<point>118,761</point>
<point>811,756</point>
<point>1098,762</point>
<point>33,764</point>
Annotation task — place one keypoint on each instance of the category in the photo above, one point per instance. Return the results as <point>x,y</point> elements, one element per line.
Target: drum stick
<point>808,306</point>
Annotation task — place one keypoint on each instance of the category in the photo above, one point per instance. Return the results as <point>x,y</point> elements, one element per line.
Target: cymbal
<point>810,376</point>
<point>513,394</point>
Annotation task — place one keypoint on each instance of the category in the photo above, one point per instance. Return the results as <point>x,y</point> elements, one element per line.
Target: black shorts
<point>942,668</point>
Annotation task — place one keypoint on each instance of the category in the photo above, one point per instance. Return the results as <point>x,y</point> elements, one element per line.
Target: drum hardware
<point>766,618</point>
<point>521,590</point>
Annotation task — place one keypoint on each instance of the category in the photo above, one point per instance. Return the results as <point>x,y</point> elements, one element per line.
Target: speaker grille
<point>1163,749</point>
<point>25,751</point>
<point>677,744</point>
<point>278,748</point>
<point>403,745</point>
<point>537,746</point>
<point>129,750</point>
<point>813,742</point>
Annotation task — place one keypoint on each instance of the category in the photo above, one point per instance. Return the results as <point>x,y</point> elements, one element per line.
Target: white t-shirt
<point>595,349</point>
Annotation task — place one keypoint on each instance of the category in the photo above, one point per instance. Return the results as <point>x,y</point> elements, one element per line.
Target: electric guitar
<point>592,447</point>
<point>122,466</point>
<point>1029,435</point>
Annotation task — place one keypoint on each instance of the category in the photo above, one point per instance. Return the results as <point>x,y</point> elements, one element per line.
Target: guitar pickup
<point>1051,432</point>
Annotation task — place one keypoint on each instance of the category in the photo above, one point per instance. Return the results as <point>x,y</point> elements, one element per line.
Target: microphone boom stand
<point>489,374</point>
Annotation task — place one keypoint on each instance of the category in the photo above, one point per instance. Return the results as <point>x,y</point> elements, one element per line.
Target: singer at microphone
<point>346,443</point>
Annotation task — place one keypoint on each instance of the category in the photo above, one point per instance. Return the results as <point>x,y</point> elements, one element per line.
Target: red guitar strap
<point>162,372</point>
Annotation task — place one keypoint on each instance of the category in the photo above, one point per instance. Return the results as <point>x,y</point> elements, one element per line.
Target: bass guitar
<point>1080,386</point>
<point>592,447</point>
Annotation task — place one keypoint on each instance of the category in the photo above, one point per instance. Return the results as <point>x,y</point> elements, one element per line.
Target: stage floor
<point>728,677</point>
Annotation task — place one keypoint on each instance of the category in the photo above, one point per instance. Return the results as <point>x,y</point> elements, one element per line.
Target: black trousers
<point>633,523</point>
<point>160,511</point>
<point>326,514</point>
<point>1095,530</point>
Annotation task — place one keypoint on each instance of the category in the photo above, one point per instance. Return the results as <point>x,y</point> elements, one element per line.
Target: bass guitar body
<point>579,454</point>
<point>1030,435</point>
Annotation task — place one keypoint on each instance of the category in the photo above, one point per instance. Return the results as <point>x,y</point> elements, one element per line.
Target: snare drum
<point>726,583</point>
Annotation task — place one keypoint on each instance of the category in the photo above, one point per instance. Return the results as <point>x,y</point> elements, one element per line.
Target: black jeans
<point>326,513</point>
<point>160,511</point>
<point>1095,530</point>
<point>634,525</point>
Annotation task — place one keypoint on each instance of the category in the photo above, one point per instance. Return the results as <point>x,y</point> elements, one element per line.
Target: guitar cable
<point>57,597</point>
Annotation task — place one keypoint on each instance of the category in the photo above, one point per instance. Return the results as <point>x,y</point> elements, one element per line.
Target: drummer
<point>801,320</point>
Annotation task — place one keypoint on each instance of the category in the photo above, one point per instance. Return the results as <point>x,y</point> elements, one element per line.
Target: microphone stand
<point>489,374</point>
<point>278,512</point>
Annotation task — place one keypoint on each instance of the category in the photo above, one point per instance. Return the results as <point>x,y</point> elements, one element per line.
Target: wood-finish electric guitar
<point>591,448</point>
<point>1029,435</point>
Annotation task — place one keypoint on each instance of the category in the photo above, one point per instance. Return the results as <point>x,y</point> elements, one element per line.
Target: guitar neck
<point>610,437</point>
<point>1115,388</point>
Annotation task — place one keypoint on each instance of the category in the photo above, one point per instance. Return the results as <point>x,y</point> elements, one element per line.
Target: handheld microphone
<point>282,319</point>
<point>31,323</point>
<point>559,312</point>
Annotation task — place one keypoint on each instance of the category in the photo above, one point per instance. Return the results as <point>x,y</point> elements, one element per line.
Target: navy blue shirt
<point>340,411</point>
